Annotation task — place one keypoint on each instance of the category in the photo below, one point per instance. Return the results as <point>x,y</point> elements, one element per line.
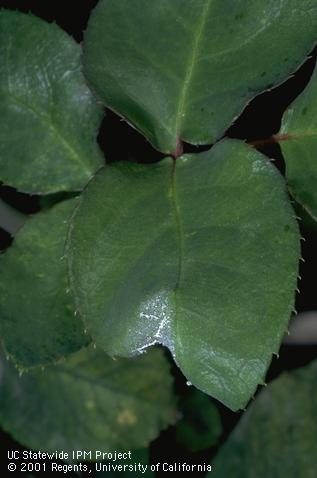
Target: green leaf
<point>200,426</point>
<point>49,200</point>
<point>89,402</point>
<point>298,136</point>
<point>199,254</point>
<point>37,321</point>
<point>185,69</point>
<point>49,118</point>
<point>276,437</point>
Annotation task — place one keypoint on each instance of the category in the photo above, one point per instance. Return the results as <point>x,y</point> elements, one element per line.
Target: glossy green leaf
<point>200,426</point>
<point>184,69</point>
<point>199,254</point>
<point>49,118</point>
<point>37,322</point>
<point>298,137</point>
<point>88,402</point>
<point>276,437</point>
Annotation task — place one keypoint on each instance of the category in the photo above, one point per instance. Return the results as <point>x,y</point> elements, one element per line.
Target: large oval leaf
<point>49,118</point>
<point>184,69</point>
<point>277,435</point>
<point>37,322</point>
<point>89,402</point>
<point>298,140</point>
<point>199,254</point>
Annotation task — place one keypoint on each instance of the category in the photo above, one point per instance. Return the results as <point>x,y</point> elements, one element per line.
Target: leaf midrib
<point>45,120</point>
<point>102,384</point>
<point>178,222</point>
<point>180,241</point>
<point>190,67</point>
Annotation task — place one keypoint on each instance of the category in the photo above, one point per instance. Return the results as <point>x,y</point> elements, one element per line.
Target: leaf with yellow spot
<point>88,402</point>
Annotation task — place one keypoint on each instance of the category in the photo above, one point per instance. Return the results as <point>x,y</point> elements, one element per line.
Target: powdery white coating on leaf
<point>156,317</point>
<point>207,264</point>
<point>258,166</point>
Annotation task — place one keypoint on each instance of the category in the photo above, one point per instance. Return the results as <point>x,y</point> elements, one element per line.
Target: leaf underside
<point>298,136</point>
<point>88,402</point>
<point>49,117</point>
<point>37,322</point>
<point>198,254</point>
<point>185,69</point>
<point>277,435</point>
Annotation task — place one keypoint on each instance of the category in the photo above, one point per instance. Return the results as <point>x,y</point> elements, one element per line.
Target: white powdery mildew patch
<point>258,166</point>
<point>155,317</point>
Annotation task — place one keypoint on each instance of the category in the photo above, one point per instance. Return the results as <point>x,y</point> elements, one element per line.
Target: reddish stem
<point>271,140</point>
<point>179,149</point>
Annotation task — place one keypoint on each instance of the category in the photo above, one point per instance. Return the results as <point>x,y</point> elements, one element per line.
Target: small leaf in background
<point>276,437</point>
<point>199,254</point>
<point>185,69</point>
<point>200,426</point>
<point>37,322</point>
<point>49,118</point>
<point>88,402</point>
<point>298,136</point>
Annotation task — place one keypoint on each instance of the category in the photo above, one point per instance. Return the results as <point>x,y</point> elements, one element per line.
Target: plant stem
<point>276,138</point>
<point>10,219</point>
